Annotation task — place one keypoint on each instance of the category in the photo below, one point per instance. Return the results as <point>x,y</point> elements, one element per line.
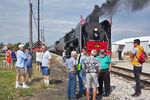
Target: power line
<point>35,21</point>
<point>36,7</point>
<point>33,14</point>
<point>38,23</point>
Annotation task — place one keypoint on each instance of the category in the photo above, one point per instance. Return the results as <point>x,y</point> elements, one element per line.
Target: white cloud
<point>57,21</point>
<point>132,30</point>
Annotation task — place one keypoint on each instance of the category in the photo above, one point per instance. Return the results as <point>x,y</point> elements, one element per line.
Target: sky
<point>60,16</point>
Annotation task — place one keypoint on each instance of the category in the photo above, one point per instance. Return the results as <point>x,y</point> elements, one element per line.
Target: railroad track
<point>123,72</point>
<point>128,73</point>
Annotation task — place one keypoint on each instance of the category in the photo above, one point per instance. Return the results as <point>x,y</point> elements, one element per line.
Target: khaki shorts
<point>29,70</point>
<point>21,71</point>
<point>91,80</point>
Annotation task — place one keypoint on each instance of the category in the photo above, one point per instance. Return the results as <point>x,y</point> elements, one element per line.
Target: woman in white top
<point>38,60</point>
<point>64,56</point>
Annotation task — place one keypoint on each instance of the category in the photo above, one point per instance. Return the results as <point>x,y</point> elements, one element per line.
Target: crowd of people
<point>93,70</point>
<point>10,58</point>
<point>22,60</point>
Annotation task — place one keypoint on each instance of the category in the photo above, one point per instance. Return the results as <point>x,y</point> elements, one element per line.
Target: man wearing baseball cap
<point>20,66</point>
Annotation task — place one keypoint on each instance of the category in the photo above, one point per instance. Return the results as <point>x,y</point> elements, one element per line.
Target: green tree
<point>26,45</point>
<point>15,46</point>
<point>1,45</point>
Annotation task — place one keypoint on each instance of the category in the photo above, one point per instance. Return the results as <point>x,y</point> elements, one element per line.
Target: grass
<point>7,83</point>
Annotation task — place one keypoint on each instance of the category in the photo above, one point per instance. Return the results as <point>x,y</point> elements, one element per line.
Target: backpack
<point>142,57</point>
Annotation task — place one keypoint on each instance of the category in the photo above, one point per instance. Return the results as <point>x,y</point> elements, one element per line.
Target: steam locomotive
<point>92,35</point>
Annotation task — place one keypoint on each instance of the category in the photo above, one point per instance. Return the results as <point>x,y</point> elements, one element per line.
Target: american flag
<point>82,20</point>
<point>110,21</point>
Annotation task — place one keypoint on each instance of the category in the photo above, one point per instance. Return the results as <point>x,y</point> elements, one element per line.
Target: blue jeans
<point>80,77</point>
<point>71,90</point>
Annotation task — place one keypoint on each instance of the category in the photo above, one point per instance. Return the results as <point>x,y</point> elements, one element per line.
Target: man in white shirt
<point>38,60</point>
<point>46,62</point>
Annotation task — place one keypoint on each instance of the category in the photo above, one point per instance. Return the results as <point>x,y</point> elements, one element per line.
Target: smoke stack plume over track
<point>111,7</point>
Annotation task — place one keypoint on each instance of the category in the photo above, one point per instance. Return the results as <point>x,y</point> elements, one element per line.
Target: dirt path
<point>58,92</point>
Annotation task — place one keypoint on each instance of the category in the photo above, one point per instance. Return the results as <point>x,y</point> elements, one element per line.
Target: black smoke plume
<point>110,7</point>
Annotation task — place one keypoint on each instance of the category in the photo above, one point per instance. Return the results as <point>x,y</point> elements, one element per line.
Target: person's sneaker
<point>30,81</point>
<point>81,95</point>
<point>25,86</point>
<point>68,98</point>
<point>100,93</point>
<point>18,86</point>
<point>136,94</point>
<point>106,95</point>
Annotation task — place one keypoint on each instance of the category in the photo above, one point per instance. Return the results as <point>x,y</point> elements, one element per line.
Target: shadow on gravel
<point>98,97</point>
<point>37,80</point>
<point>34,81</point>
<point>53,81</point>
<point>112,88</point>
<point>134,87</point>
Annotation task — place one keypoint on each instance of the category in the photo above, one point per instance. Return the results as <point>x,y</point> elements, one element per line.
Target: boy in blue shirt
<point>28,64</point>
<point>13,57</point>
<point>105,73</point>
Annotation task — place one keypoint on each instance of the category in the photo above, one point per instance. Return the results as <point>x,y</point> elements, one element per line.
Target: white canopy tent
<point>126,45</point>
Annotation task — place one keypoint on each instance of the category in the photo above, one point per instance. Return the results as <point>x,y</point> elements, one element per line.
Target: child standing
<point>4,63</point>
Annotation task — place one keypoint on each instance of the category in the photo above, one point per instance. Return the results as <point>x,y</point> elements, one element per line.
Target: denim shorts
<point>64,60</point>
<point>45,71</point>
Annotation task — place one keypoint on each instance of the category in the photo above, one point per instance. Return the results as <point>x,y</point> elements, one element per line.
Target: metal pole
<point>43,35</point>
<point>30,26</point>
<point>38,23</point>
<point>80,37</point>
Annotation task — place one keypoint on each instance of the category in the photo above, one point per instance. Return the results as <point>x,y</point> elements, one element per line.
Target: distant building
<point>4,48</point>
<point>35,46</point>
<point>126,45</point>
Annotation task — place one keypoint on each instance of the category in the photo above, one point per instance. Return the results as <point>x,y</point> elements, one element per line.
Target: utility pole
<point>38,23</point>
<point>30,25</point>
<point>43,35</point>
<point>80,37</point>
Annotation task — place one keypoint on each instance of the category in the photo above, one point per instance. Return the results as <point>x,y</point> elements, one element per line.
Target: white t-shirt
<point>38,56</point>
<point>63,54</point>
<point>45,57</point>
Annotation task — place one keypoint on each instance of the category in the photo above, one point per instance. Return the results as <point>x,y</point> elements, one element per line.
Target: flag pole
<point>80,37</point>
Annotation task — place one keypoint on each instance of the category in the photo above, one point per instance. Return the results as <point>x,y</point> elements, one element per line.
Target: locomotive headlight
<point>95,34</point>
<point>95,29</point>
